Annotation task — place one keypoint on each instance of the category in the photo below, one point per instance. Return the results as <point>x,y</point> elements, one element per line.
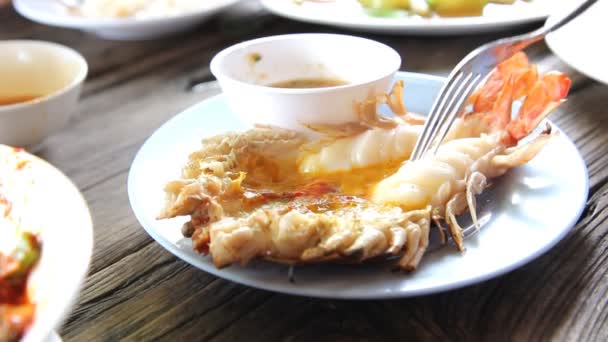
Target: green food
<point>386,4</point>
<point>24,257</point>
<point>387,13</point>
<point>27,251</point>
<point>426,8</point>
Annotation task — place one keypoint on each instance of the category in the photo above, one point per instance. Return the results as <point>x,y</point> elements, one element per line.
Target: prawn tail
<point>517,68</point>
<point>546,95</point>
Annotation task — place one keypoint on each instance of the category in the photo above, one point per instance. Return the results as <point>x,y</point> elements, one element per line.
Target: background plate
<point>54,209</point>
<point>349,14</point>
<point>52,12</point>
<point>518,229</point>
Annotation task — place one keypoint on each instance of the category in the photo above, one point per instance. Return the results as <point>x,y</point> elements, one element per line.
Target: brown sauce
<point>309,83</point>
<point>9,100</point>
<point>254,57</point>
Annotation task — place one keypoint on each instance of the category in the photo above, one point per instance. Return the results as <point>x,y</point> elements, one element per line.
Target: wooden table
<point>136,290</point>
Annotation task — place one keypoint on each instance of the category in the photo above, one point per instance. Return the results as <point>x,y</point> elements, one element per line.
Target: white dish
<point>579,45</point>
<point>55,210</point>
<point>245,70</point>
<point>51,12</point>
<point>518,230</point>
<point>50,72</point>
<point>349,14</point>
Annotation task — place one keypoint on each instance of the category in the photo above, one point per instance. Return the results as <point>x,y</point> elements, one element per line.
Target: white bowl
<point>53,74</point>
<point>48,204</point>
<point>586,56</point>
<point>53,13</point>
<point>245,70</point>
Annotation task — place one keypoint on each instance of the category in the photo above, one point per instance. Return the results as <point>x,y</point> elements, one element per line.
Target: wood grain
<point>138,291</point>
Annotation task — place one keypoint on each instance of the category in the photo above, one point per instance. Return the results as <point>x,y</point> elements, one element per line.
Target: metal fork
<point>470,72</point>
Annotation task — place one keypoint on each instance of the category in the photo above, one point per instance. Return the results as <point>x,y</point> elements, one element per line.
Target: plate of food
<point>122,20</point>
<point>46,241</point>
<point>337,210</point>
<point>423,17</point>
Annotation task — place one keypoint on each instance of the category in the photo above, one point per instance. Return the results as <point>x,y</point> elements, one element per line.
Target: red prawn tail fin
<point>483,98</point>
<point>546,95</point>
<point>501,109</point>
<point>525,81</point>
<point>517,67</point>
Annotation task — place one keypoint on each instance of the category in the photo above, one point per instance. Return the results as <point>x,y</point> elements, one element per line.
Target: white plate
<point>519,227</point>
<point>52,12</point>
<point>53,208</point>
<point>580,42</point>
<point>349,14</point>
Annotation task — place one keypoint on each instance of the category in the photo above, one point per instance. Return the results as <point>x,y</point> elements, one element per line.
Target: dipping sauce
<point>9,100</point>
<point>309,83</point>
<point>254,57</point>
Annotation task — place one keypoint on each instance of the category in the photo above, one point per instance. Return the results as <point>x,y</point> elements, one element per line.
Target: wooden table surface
<point>136,290</point>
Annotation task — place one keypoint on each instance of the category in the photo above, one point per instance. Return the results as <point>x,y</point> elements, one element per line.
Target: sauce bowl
<point>245,72</point>
<point>39,88</point>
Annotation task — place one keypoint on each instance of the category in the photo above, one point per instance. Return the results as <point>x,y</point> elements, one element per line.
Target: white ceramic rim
<point>49,327</point>
<point>216,70</point>
<point>306,292</point>
<point>71,21</point>
<point>82,74</point>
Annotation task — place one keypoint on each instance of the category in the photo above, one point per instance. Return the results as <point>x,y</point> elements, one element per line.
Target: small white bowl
<point>245,70</point>
<point>50,73</point>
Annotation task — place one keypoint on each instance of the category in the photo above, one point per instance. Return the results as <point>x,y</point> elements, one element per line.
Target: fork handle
<point>515,44</point>
<point>580,8</point>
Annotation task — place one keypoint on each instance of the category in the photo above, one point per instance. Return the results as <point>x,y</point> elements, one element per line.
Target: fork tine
<point>454,107</point>
<point>443,116</point>
<point>446,111</point>
<point>434,119</point>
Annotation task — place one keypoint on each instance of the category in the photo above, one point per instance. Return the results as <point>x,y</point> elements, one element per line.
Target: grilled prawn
<point>352,195</point>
